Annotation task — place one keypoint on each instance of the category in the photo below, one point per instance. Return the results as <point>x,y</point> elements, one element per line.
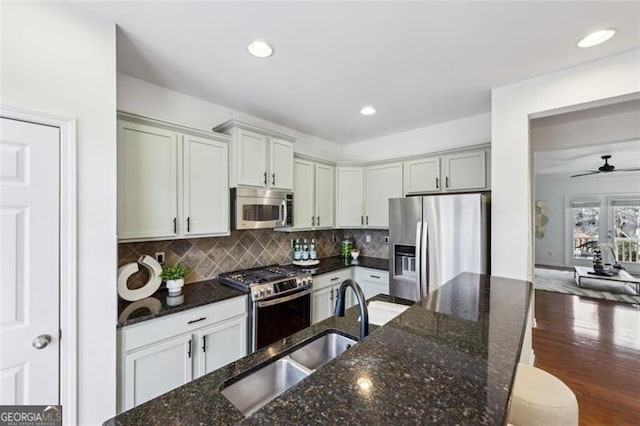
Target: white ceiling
<point>418,63</point>
<point>567,162</point>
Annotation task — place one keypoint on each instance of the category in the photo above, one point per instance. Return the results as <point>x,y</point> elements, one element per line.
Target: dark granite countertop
<point>450,359</point>
<point>210,291</point>
<point>334,263</point>
<point>159,304</point>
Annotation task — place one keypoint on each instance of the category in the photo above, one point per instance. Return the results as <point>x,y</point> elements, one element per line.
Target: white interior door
<point>29,263</point>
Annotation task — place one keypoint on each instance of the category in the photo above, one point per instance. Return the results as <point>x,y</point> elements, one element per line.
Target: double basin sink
<point>253,391</point>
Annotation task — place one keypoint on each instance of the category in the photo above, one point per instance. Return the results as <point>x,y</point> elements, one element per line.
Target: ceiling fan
<point>605,168</point>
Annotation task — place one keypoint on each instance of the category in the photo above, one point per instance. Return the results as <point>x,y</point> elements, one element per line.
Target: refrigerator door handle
<point>418,262</point>
<point>424,261</point>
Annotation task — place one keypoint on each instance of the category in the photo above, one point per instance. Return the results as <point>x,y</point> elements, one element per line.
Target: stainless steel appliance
<point>261,208</point>
<point>434,238</point>
<point>280,302</point>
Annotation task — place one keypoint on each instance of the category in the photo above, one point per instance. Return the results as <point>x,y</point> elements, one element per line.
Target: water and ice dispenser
<point>404,265</point>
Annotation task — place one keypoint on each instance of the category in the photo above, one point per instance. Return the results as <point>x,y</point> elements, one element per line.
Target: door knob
<point>42,341</point>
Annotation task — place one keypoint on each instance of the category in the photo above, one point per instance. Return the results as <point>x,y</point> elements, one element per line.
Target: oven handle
<point>283,299</point>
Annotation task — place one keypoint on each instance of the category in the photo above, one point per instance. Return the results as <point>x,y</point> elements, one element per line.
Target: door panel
<point>281,164</point>
<point>29,262</point>
<point>303,198</point>
<point>157,369</point>
<point>325,196</point>
<point>422,175</point>
<point>221,344</point>
<point>465,171</point>
<point>252,158</point>
<point>383,182</point>
<point>147,181</point>
<point>350,197</point>
<point>206,186</point>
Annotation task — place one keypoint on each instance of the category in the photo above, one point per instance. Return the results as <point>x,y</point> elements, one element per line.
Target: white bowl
<point>355,254</point>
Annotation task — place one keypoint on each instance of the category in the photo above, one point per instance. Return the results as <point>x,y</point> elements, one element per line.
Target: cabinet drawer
<point>138,335</point>
<point>373,275</point>
<point>331,278</point>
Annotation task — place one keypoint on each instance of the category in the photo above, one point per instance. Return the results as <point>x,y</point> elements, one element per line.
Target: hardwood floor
<point>593,346</point>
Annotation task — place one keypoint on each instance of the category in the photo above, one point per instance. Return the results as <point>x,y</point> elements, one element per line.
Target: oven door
<point>278,318</point>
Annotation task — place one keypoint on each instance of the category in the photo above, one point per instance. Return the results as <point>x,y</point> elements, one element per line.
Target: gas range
<point>268,281</point>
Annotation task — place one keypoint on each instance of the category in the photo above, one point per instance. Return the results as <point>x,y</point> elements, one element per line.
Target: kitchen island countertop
<point>449,359</point>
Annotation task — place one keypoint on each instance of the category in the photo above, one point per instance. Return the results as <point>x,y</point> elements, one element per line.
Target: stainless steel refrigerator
<point>434,238</point>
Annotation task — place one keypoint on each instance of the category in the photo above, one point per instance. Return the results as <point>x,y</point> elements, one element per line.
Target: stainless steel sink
<point>258,388</point>
<point>322,350</point>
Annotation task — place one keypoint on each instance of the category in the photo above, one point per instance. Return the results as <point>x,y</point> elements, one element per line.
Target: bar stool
<point>540,398</point>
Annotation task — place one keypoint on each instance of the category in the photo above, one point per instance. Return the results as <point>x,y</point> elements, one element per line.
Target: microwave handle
<point>283,209</point>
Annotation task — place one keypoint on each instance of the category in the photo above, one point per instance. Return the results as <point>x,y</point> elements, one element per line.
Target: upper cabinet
<point>383,181</point>
<point>314,191</point>
<point>455,172</point>
<point>258,158</point>
<point>350,197</point>
<point>172,181</point>
<point>364,192</point>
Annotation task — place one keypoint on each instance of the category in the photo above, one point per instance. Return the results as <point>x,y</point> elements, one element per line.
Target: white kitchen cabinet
<point>171,184</point>
<point>314,195</point>
<point>158,355</point>
<point>205,187</point>
<point>325,196</point>
<point>358,208</point>
<point>147,181</point>
<point>464,170</point>
<point>372,281</point>
<point>422,175</point>
<point>350,197</point>
<point>325,293</point>
<point>383,181</point>
<point>258,157</point>
<point>157,369</point>
<point>221,344</point>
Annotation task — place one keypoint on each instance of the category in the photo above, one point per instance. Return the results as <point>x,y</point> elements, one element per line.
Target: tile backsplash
<point>207,257</point>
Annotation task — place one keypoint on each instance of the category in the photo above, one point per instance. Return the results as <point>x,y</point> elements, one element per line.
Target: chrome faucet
<point>364,312</point>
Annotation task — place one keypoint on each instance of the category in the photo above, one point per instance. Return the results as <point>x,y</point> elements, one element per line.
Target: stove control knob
<point>263,293</point>
<point>256,294</point>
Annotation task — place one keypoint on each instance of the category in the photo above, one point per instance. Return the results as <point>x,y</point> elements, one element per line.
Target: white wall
<point>467,131</point>
<point>511,156</point>
<point>553,189</point>
<point>59,62</point>
<point>144,98</point>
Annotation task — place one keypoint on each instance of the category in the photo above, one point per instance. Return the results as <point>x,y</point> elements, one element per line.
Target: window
<point>586,228</point>
<point>626,230</point>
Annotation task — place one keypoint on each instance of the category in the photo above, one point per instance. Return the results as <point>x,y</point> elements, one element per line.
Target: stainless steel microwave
<point>261,208</point>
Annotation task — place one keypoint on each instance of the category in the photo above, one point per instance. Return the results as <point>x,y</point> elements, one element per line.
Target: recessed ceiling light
<point>260,49</point>
<point>368,110</point>
<point>596,38</point>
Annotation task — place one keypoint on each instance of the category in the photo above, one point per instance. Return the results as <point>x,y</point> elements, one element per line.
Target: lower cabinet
<point>372,281</point>
<point>161,354</point>
<point>325,291</point>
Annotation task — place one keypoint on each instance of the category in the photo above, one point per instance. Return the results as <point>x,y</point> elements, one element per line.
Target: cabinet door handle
<point>264,179</point>
<point>189,348</point>
<point>273,178</point>
<point>367,220</point>
<point>175,225</point>
<point>335,278</point>
<point>375,276</point>
<point>437,183</point>
<point>313,221</point>
<point>204,343</point>
<point>446,181</point>
<point>318,221</point>
<point>197,320</point>
<point>331,295</point>
<point>188,224</point>
<point>361,220</point>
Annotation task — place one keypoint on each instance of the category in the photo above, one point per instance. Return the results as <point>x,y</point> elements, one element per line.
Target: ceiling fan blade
<point>586,174</point>
<point>627,170</point>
